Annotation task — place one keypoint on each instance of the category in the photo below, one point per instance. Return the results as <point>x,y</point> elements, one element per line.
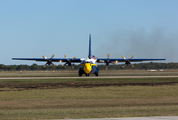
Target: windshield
<point>86,61</point>
<point>89,62</point>
<point>83,62</point>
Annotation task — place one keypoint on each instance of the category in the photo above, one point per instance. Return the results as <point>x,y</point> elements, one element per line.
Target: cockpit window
<point>83,62</point>
<point>89,62</point>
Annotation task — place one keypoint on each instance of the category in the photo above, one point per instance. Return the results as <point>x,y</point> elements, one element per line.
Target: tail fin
<point>89,55</point>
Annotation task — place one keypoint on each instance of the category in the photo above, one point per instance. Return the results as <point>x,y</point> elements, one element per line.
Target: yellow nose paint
<point>87,68</point>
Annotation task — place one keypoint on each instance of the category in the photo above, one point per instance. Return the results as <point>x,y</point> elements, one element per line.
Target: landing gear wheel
<point>87,75</point>
<point>96,74</point>
<point>79,74</point>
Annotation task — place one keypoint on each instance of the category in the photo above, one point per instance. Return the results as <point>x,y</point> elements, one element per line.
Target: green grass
<point>97,102</point>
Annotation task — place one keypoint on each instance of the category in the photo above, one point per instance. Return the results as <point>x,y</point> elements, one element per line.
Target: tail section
<point>89,55</point>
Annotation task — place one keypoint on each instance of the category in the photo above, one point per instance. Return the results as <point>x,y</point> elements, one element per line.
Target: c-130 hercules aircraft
<point>89,65</point>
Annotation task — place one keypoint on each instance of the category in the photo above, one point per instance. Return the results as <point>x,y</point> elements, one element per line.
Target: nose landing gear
<point>87,75</point>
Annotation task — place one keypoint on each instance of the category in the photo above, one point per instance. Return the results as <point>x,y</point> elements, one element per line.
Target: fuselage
<point>87,67</point>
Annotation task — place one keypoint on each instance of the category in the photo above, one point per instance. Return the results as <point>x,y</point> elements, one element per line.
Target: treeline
<point>144,66</point>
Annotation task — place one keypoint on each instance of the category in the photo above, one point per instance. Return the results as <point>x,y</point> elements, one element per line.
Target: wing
<point>123,60</point>
<point>127,61</point>
<point>53,60</point>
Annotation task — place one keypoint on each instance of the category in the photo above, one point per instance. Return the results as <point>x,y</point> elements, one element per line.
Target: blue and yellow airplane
<point>89,65</point>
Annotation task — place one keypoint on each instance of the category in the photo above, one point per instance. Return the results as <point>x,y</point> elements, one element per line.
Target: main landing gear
<point>87,75</point>
<point>79,74</point>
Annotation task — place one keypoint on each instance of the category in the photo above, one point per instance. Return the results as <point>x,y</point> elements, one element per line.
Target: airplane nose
<point>87,68</point>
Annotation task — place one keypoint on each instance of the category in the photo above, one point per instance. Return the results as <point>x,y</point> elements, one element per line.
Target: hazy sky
<point>33,28</point>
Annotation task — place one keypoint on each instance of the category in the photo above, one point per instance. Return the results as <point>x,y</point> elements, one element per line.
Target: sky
<point>33,28</point>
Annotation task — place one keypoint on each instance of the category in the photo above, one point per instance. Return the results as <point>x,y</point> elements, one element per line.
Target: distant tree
<point>34,67</point>
<point>145,66</point>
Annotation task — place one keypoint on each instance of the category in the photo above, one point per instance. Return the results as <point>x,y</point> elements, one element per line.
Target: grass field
<point>88,98</point>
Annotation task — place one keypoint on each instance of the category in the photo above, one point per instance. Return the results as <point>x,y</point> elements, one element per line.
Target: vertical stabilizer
<point>89,55</point>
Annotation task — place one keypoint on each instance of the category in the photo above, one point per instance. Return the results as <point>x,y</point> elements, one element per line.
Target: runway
<point>133,118</point>
<point>89,77</point>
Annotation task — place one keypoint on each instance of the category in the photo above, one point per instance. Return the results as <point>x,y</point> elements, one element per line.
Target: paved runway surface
<point>87,77</point>
<point>134,118</point>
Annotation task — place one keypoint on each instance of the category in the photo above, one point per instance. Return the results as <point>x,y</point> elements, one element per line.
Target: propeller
<point>49,61</point>
<point>127,62</point>
<point>107,62</point>
<point>69,62</point>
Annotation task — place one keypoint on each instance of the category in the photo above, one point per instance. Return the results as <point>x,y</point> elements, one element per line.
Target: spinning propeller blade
<point>52,57</point>
<point>69,62</point>
<point>45,57</point>
<point>107,62</point>
<point>49,61</point>
<point>127,61</point>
